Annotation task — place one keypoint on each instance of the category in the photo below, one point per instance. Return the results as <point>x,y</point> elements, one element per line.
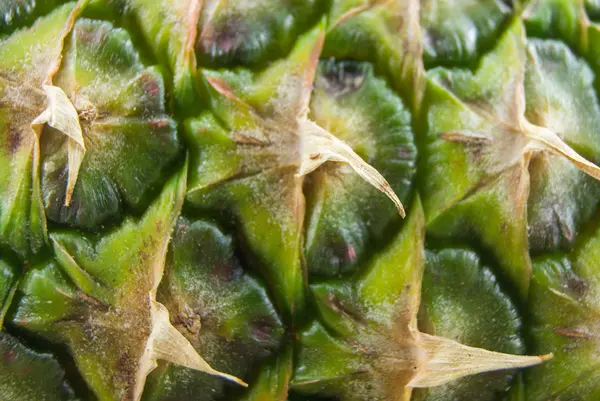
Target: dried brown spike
<point>446,360</point>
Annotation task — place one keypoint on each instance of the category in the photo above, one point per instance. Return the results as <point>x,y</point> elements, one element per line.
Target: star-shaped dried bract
<point>369,345</point>
<point>109,316</point>
<point>71,123</point>
<point>484,151</point>
<point>254,150</point>
<point>564,306</point>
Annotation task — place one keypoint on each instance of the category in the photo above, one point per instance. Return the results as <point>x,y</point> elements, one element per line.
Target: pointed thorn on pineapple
<point>62,115</point>
<point>447,360</point>
<point>319,146</point>
<point>60,112</point>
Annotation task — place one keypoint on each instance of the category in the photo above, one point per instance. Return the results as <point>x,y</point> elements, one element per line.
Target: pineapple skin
<point>266,200</point>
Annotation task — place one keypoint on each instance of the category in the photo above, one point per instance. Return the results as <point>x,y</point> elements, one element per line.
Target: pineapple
<point>299,200</point>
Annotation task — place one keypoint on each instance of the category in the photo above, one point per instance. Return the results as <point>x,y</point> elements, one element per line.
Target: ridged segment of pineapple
<point>480,133</point>
<point>463,300</point>
<point>99,298</point>
<point>120,108</point>
<point>27,375</point>
<point>564,305</point>
<point>224,313</point>
<point>369,345</point>
<point>248,157</point>
<point>346,215</point>
<point>456,31</point>
<point>384,32</point>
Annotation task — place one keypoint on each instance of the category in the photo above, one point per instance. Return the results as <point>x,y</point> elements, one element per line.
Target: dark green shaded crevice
<point>487,258</point>
<point>60,352</point>
<point>268,54</point>
<point>484,46</point>
<point>113,224</point>
<point>228,223</point>
<point>295,396</point>
<point>23,265</point>
<point>28,12</point>
<point>9,256</point>
<point>375,242</point>
<point>114,12</point>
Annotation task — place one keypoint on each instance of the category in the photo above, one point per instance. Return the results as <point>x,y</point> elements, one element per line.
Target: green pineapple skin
<point>194,251</point>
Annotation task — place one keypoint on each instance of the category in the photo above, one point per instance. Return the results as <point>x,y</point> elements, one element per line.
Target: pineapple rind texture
<point>267,200</point>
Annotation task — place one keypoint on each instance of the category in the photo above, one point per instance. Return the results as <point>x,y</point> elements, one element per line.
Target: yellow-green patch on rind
<point>346,354</point>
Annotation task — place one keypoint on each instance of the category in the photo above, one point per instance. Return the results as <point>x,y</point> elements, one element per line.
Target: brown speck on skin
<point>573,333</point>
<point>150,85</point>
<point>577,285</point>
<point>91,301</point>
<point>403,152</point>
<point>224,271</point>
<point>9,357</point>
<point>88,329</point>
<point>354,344</point>
<point>158,123</point>
<point>339,307</point>
<point>87,114</point>
<point>350,254</point>
<point>86,36</point>
<point>190,319</point>
<point>13,140</point>
<point>226,37</point>
<point>182,228</point>
<point>125,371</point>
<point>570,347</point>
<point>262,328</point>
